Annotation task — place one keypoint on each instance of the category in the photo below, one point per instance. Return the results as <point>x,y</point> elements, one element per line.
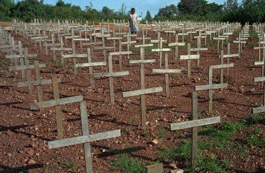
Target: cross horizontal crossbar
<point>195,123</point>
<point>75,56</point>
<point>198,49</point>
<point>231,56</point>
<point>92,64</point>
<point>101,48</point>
<point>81,39</point>
<point>187,57</point>
<point>176,44</point>
<point>38,82</point>
<point>51,103</point>
<point>61,49</point>
<point>166,71</point>
<point>145,45</point>
<point>219,38</point>
<point>114,74</point>
<point>259,79</point>
<point>120,53</point>
<point>161,50</point>
<point>142,92</point>
<point>259,63</point>
<point>21,56</point>
<point>84,139</point>
<point>258,110</point>
<point>142,61</point>
<point>222,66</point>
<point>25,67</point>
<point>211,87</point>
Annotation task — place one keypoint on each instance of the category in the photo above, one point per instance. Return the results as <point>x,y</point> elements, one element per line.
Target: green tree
<point>167,13</point>
<point>148,16</point>
<point>106,13</point>
<point>231,5</point>
<point>195,7</point>
<point>6,8</point>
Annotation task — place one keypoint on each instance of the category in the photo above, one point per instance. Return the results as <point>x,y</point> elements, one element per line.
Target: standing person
<point>133,21</point>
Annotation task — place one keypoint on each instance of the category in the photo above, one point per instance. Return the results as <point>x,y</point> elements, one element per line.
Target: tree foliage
<point>167,13</point>
<point>27,10</point>
<point>148,16</point>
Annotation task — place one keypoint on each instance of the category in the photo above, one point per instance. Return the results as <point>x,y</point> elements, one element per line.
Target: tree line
<point>197,10</point>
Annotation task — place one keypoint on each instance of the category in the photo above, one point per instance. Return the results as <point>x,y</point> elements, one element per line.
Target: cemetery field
<point>236,144</point>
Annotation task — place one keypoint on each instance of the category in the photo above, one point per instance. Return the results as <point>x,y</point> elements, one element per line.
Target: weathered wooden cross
<point>142,92</point>
<point>189,57</point>
<point>218,42</point>
<point>261,79</point>
<point>210,87</point>
<point>57,102</point>
<point>159,49</point>
<point>239,42</point>
<point>228,56</point>
<point>112,74</point>
<point>199,48</point>
<point>194,124</point>
<point>176,45</point>
<point>23,58</point>
<point>85,139</point>
<point>166,72</point>
<point>38,82</point>
<point>90,65</point>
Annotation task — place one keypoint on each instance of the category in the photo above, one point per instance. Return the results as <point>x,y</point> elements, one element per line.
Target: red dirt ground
<point>24,133</point>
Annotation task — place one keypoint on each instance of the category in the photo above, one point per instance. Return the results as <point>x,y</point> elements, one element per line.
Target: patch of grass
<point>253,34</point>
<point>215,165</point>
<point>13,81</point>
<point>252,140</point>
<point>128,165</point>
<point>127,129</point>
<point>223,134</point>
<point>236,33</point>
<point>69,164</point>
<point>258,131</point>
<point>256,138</point>
<point>58,62</point>
<point>184,151</point>
<point>147,133</point>
<point>130,121</point>
<point>256,119</point>
<point>202,112</point>
<point>162,132</point>
<point>208,44</point>
<point>205,162</point>
<point>47,171</point>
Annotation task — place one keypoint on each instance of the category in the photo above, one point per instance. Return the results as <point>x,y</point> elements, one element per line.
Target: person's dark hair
<point>132,10</point>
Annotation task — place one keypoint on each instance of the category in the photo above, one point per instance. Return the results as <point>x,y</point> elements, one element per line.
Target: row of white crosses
<point>261,79</point>
<point>86,138</point>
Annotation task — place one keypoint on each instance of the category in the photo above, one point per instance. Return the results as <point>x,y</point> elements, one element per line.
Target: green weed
<point>162,132</point>
<point>124,163</point>
<point>256,119</point>
<point>147,133</point>
<point>253,34</point>
<point>215,165</point>
<point>130,121</point>
<point>69,164</point>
